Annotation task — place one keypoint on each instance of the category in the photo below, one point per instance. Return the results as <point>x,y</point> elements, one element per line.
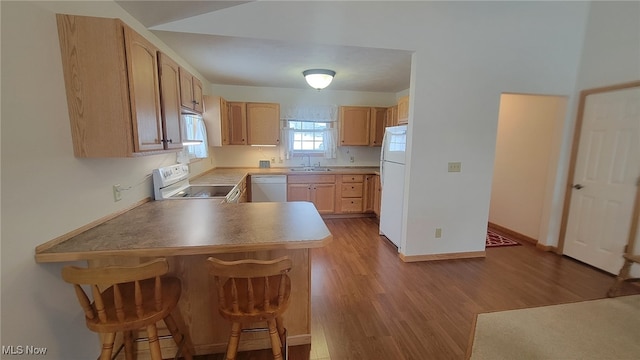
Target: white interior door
<point>606,173</point>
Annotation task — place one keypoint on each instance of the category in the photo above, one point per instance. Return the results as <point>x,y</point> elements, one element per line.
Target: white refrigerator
<point>392,166</point>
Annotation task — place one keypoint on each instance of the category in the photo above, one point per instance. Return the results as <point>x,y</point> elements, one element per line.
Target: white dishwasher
<point>268,188</point>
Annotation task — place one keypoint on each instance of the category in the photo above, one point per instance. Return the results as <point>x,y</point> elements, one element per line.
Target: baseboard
<point>521,237</point>
<point>513,234</point>
<point>447,256</point>
<point>347,216</point>
<point>547,248</point>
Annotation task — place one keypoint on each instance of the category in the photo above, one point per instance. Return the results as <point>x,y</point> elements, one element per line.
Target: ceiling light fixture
<point>318,78</point>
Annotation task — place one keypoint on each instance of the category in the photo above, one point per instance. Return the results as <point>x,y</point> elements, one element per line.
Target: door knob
<point>577,186</point>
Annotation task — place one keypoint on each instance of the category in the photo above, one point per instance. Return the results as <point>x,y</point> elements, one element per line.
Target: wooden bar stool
<point>629,256</point>
<point>251,291</point>
<point>133,297</point>
<point>624,273</point>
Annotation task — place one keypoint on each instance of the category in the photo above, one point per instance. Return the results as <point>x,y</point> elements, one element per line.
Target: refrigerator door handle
<point>381,174</point>
<point>384,146</point>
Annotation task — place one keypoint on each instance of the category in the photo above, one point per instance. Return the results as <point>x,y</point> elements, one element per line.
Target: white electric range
<point>172,182</point>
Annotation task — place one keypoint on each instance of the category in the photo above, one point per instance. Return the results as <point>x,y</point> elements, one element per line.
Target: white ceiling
<point>233,60</point>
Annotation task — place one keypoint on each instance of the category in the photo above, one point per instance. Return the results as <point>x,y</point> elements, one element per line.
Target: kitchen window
<point>308,136</point>
<point>309,130</point>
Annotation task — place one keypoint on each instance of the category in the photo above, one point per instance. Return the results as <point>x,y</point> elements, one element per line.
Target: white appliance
<point>392,166</point>
<point>172,182</point>
<point>268,188</point>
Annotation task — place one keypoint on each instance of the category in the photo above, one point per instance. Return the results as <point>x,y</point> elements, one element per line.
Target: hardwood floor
<point>368,304</point>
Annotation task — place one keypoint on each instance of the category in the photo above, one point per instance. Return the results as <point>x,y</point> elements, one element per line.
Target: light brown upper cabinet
<point>263,123</point>
<point>190,92</point>
<point>362,125</point>
<point>170,101</point>
<point>392,116</point>
<point>403,110</point>
<point>112,86</point>
<point>253,123</point>
<point>216,118</point>
<point>354,125</point>
<point>237,123</point>
<point>378,122</point>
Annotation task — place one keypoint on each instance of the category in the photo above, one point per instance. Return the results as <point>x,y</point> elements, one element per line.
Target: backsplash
<point>250,156</point>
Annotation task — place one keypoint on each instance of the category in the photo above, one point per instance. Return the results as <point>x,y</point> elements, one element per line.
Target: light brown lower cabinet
<point>347,194</point>
<point>351,193</point>
<point>318,189</point>
<point>369,193</point>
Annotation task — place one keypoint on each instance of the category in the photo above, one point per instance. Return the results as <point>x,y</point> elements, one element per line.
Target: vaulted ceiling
<point>232,60</point>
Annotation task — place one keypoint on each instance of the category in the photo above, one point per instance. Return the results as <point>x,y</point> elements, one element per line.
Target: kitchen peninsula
<point>186,232</point>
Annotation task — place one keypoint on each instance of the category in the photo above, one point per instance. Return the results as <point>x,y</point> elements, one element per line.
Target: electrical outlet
<point>117,192</point>
<point>352,159</point>
<point>438,233</point>
<point>455,166</point>
<point>273,160</point>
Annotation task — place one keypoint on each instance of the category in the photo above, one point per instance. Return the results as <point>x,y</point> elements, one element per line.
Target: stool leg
<point>282,331</point>
<point>154,343</point>
<point>275,340</point>
<point>129,351</point>
<point>234,339</point>
<point>622,276</point>
<point>107,346</point>
<point>178,337</point>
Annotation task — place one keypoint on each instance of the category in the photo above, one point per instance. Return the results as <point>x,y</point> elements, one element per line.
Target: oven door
<point>203,191</point>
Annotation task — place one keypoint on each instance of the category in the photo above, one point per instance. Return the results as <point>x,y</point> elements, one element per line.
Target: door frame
<point>577,133</point>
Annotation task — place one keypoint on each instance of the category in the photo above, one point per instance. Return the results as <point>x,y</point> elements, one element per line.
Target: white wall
<point>527,151</point>
<point>238,155</point>
<point>46,191</point>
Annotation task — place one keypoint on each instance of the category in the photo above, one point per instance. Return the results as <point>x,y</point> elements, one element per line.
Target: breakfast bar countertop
<point>195,226</point>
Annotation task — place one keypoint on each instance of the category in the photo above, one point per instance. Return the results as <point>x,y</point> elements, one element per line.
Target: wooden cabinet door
<point>197,95</point>
<point>170,101</point>
<point>403,110</point>
<point>369,193</point>
<point>298,192</point>
<point>224,121</point>
<point>263,123</point>
<point>186,89</point>
<point>324,197</point>
<point>392,116</point>
<point>378,122</point>
<point>237,123</point>
<point>142,69</point>
<point>354,126</point>
<point>190,92</point>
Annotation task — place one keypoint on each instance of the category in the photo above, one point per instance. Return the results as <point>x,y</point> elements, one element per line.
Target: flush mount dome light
<point>318,78</point>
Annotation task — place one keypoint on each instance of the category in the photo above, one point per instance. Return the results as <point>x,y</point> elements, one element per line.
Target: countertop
<point>195,226</point>
<point>232,176</point>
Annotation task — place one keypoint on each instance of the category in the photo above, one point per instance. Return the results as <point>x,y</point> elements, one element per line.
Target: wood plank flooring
<point>368,304</point>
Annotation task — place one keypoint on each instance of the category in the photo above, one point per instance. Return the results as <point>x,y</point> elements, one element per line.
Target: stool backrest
<point>121,279</point>
<point>246,287</point>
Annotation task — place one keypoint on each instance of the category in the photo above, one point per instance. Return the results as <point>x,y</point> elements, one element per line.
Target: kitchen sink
<point>310,169</point>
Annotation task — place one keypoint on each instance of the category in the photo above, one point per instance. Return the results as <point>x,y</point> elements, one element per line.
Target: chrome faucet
<point>308,160</point>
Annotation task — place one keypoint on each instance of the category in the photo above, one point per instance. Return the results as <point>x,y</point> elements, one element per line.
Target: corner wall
<point>527,151</point>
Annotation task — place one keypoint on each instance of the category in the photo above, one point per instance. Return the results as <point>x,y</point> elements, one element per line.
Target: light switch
<point>455,166</point>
